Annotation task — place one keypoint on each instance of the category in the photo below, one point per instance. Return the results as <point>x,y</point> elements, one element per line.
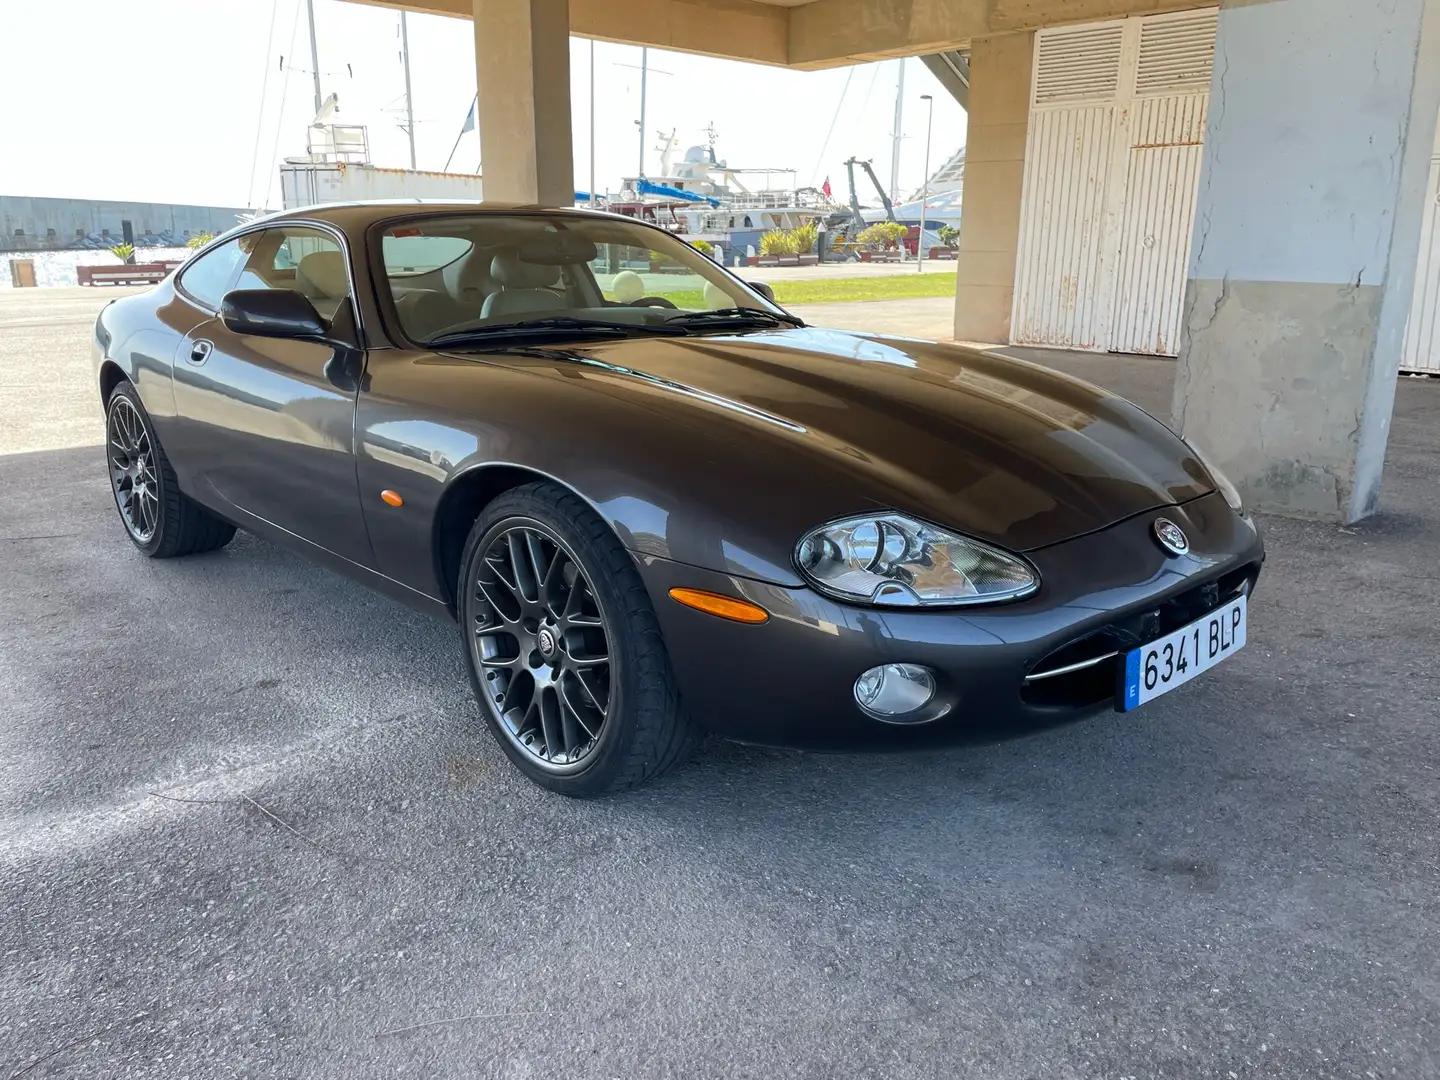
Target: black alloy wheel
<point>162,521</point>
<point>132,470</point>
<point>542,644</point>
<point>565,653</point>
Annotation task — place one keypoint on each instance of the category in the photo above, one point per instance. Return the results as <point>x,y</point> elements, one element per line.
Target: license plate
<point>1176,658</point>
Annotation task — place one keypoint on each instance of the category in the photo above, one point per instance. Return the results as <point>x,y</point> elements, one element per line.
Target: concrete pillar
<point>998,120</point>
<point>522,61</point>
<point>1322,118</point>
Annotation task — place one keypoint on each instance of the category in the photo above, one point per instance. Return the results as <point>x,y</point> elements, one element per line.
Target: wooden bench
<point>134,274</point>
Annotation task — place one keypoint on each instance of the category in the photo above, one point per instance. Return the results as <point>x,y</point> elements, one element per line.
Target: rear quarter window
<point>408,255</point>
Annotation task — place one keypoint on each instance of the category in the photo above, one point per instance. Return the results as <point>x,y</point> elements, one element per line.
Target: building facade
<point>41,224</point>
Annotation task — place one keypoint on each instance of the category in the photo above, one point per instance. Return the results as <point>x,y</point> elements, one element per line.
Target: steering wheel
<point>653,301</point>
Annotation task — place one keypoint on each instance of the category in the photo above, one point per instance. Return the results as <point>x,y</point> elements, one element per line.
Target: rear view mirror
<point>764,290</point>
<point>562,249</point>
<point>277,313</point>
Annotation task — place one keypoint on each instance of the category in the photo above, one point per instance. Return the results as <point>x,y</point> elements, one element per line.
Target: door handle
<point>200,351</point>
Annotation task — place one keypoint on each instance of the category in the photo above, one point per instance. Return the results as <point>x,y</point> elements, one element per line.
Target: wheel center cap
<point>545,639</point>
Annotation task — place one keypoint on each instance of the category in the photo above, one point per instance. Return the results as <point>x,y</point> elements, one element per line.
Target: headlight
<point>1222,482</point>
<point>891,561</point>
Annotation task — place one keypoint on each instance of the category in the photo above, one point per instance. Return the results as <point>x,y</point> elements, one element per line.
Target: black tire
<point>645,729</point>
<point>176,525</point>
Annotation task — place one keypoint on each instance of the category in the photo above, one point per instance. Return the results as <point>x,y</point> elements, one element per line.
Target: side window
<point>208,277</point>
<point>302,260</point>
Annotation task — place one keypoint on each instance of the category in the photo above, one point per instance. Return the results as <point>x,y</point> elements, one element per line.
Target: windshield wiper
<point>556,325</point>
<point>735,316</point>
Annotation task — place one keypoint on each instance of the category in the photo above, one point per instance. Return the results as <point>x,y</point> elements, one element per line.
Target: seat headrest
<point>472,276</point>
<point>509,270</point>
<point>324,271</point>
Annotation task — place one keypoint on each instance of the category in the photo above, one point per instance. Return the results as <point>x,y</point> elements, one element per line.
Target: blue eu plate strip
<point>1132,679</point>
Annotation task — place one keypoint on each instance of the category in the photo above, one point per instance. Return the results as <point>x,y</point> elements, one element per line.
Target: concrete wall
<point>161,223</point>
<point>1322,119</point>
<point>1000,69</point>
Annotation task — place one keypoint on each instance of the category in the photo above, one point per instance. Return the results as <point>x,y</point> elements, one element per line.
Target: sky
<point>212,112</point>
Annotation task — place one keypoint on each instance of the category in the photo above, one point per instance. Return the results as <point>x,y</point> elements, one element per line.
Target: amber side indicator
<point>392,497</point>
<point>726,607</point>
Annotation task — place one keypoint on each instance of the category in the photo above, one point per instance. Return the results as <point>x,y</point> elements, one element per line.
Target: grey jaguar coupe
<point>655,503</point>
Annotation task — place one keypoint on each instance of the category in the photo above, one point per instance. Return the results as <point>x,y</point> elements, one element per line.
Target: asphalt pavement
<point>251,826</point>
<point>931,317</point>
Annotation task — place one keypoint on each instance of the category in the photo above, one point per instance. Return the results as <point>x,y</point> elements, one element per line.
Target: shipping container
<point>306,183</point>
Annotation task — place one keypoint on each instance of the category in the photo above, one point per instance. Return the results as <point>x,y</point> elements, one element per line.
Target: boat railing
<point>780,200</point>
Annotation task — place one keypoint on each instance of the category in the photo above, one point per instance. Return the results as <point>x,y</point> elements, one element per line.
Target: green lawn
<point>835,290</point>
<point>841,290</point>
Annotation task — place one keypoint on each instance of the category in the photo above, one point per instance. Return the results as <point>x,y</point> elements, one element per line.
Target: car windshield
<point>490,274</point>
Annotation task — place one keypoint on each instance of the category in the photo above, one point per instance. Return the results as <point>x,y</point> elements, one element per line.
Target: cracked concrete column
<point>522,62</point>
<point>1322,120</point>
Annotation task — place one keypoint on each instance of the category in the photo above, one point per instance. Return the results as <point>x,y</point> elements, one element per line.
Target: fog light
<point>892,691</point>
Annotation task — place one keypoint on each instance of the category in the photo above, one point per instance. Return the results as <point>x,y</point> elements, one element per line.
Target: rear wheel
<point>564,649</point>
<point>162,521</point>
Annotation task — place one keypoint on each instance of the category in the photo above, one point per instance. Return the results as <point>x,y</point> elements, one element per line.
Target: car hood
<point>1001,449</point>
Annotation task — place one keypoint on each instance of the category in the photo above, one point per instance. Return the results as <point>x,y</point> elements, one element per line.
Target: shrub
<point>949,236</point>
<point>124,252</point>
<point>199,240</point>
<point>778,242</point>
<point>805,237</point>
<point>883,235</point>
<point>704,247</point>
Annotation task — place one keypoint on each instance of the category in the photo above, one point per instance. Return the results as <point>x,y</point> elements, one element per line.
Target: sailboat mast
<point>409,105</point>
<point>314,55</point>
<point>897,134</point>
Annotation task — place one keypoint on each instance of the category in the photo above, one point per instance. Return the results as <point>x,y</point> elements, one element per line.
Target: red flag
<point>825,187</point>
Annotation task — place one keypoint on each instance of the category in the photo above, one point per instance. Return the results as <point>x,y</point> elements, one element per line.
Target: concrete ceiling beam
<point>732,29</point>
<point>819,34</point>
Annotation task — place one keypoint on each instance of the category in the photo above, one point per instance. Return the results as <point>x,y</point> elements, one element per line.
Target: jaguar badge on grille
<point>1172,538</point>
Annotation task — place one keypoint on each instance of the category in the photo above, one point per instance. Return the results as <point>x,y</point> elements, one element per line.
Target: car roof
<point>357,214</point>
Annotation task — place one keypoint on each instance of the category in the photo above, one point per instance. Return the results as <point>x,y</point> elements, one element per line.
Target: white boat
<point>701,197</point>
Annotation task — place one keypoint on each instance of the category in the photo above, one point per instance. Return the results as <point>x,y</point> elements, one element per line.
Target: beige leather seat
<point>522,288</point>
<point>469,281</point>
<point>321,277</point>
<point>424,313</point>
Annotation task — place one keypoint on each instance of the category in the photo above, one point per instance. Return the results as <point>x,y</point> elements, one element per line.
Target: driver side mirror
<point>764,290</point>
<point>276,313</point>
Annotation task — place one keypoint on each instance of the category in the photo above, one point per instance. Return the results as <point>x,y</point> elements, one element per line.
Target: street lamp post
<point>925,187</point>
<point>592,123</point>
<point>644,70</point>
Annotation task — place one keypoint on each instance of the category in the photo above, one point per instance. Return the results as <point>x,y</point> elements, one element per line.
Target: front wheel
<point>565,652</point>
<point>162,520</point>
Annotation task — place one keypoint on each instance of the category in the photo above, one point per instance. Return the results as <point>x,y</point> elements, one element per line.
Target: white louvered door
<point>1166,131</point>
<point>1111,175</point>
<point>1068,159</point>
<point>1422,334</point>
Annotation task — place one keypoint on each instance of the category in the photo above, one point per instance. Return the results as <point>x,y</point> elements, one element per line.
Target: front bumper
<point>790,681</point>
